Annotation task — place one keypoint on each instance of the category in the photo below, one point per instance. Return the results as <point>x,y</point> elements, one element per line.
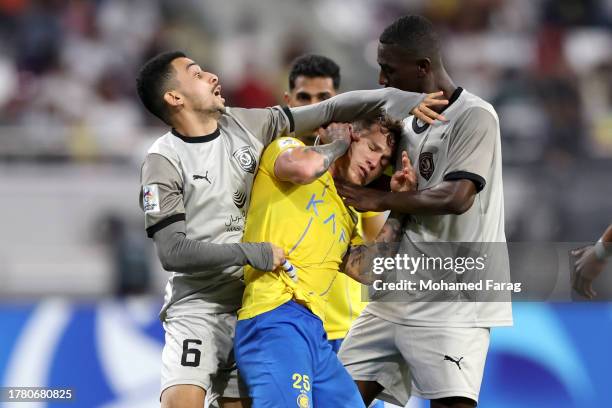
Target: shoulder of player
<point>279,146</point>
<point>159,166</point>
<point>162,152</point>
<point>475,115</point>
<point>164,144</point>
<point>244,123</point>
<point>242,116</point>
<point>474,105</point>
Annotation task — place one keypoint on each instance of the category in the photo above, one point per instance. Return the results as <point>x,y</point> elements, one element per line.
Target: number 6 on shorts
<point>193,351</point>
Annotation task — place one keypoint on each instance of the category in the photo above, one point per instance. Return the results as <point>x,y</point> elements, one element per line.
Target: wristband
<point>290,270</point>
<point>601,252</point>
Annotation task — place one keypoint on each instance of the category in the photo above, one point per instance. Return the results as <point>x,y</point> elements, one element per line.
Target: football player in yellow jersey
<point>280,345</point>
<point>315,78</point>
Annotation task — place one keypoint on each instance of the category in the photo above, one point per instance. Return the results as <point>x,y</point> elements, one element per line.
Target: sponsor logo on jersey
<point>246,159</point>
<point>454,360</point>
<point>239,198</point>
<point>303,401</point>
<point>150,198</point>
<point>200,177</point>
<point>204,177</point>
<point>426,165</point>
<point>234,223</point>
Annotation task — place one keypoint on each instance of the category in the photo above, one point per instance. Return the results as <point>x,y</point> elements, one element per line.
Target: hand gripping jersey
<point>207,181</point>
<point>310,222</point>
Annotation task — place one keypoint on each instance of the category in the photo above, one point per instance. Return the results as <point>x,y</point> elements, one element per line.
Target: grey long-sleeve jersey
<point>201,187</point>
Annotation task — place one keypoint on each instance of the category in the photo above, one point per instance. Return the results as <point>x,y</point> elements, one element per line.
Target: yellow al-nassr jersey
<point>345,301</point>
<point>310,222</point>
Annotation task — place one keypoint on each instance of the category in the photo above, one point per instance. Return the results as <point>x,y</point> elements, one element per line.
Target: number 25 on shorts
<point>301,382</point>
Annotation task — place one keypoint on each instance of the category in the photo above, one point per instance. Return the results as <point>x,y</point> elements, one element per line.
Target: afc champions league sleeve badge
<point>246,159</point>
<point>150,198</point>
<point>426,165</point>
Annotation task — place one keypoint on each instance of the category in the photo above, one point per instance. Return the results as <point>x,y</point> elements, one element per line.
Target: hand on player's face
<point>360,198</point>
<point>588,267</point>
<point>336,131</point>
<point>405,179</point>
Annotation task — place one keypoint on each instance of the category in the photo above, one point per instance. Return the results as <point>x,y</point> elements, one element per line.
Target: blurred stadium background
<point>79,284</point>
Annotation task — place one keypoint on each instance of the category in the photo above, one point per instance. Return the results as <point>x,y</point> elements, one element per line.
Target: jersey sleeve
<point>274,150</point>
<point>356,237</point>
<point>472,147</point>
<point>349,106</point>
<point>161,195</point>
<point>266,124</point>
<point>369,214</point>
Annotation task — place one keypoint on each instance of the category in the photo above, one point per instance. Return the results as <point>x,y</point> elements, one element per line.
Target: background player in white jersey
<point>440,347</point>
<point>196,185</point>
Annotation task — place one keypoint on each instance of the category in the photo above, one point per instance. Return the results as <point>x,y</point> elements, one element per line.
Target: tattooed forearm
<point>357,263</point>
<point>330,152</point>
<point>391,231</point>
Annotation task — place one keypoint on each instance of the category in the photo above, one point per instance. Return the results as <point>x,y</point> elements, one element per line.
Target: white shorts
<point>199,351</point>
<point>428,362</point>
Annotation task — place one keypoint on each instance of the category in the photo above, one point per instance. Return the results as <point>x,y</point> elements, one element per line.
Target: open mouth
<point>217,91</point>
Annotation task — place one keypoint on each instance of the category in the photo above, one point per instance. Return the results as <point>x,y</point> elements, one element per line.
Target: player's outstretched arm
<point>305,164</point>
<point>180,254</point>
<point>349,106</point>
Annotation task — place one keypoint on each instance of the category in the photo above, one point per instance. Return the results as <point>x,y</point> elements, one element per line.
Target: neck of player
<point>441,81</point>
<point>194,124</point>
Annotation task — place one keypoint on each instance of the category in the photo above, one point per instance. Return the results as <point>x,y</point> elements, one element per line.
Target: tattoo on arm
<point>356,263</point>
<point>391,231</point>
<point>330,152</point>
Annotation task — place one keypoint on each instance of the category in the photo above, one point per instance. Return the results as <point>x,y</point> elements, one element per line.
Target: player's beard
<point>215,110</point>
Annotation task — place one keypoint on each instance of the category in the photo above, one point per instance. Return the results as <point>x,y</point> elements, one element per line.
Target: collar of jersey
<point>197,139</point>
<point>420,129</point>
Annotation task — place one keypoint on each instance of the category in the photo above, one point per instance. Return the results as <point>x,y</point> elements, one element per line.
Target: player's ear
<point>423,67</point>
<point>173,98</point>
<point>287,98</point>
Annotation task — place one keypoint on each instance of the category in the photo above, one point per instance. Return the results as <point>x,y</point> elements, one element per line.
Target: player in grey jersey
<point>196,184</point>
<point>435,350</point>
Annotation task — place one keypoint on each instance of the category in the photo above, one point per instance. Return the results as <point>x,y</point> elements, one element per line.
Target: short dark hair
<point>415,34</point>
<point>391,127</point>
<point>312,66</point>
<point>153,81</point>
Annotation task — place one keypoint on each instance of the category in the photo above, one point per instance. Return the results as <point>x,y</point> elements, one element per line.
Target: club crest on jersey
<point>246,159</point>
<point>303,401</point>
<point>150,198</point>
<point>426,165</point>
